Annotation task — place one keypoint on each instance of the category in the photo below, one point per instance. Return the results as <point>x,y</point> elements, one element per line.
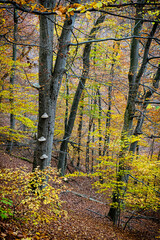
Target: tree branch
<point>85,196</point>
<point>142,183</point>
<point>22,158</point>
<point>112,39</point>
<point>23,9</point>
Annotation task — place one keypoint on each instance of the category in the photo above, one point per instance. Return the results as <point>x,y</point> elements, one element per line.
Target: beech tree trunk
<point>147,96</point>
<point>88,139</point>
<point>92,151</point>
<point>80,130</point>
<point>50,82</point>
<point>12,80</point>
<point>99,121</point>
<point>73,112</point>
<point>108,115</point>
<point>90,128</point>
<point>108,123</point>
<point>134,78</point>
<point>114,212</point>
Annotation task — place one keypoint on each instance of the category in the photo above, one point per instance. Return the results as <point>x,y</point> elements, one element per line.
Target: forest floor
<point>86,217</point>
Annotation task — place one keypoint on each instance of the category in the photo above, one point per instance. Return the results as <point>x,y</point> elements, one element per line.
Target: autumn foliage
<point>79,90</point>
<point>28,198</point>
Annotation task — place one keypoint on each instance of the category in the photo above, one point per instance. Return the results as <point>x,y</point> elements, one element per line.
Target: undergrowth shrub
<point>28,198</point>
<point>140,192</point>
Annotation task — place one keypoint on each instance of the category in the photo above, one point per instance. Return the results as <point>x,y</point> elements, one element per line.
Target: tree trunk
<point>108,115</point>
<point>134,82</point>
<point>67,104</point>
<point>12,80</point>
<point>148,95</point>
<point>92,151</point>
<point>108,123</point>
<point>114,212</point>
<point>50,82</point>
<point>80,130</point>
<point>99,121</point>
<point>88,140</point>
<point>71,120</point>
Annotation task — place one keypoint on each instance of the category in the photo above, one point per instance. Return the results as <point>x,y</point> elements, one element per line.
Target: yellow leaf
<point>98,5</point>
<point>88,15</point>
<point>26,238</point>
<point>149,106</point>
<point>80,8</point>
<point>33,7</point>
<point>92,4</point>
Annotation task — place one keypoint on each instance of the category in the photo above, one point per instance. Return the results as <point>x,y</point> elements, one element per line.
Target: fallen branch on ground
<point>85,196</point>
<point>22,158</point>
<point>95,212</point>
<point>104,216</point>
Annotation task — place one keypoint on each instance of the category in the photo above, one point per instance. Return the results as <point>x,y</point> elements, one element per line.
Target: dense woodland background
<point>79,93</point>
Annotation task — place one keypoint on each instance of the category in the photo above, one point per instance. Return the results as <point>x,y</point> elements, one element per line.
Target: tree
<point>134,77</point>
<point>80,129</point>
<point>71,120</point>
<point>50,82</point>
<point>51,74</point>
<point>12,78</point>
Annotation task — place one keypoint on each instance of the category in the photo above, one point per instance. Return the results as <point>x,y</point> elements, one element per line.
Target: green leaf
<point>7,201</point>
<point>71,9</point>
<point>3,215</point>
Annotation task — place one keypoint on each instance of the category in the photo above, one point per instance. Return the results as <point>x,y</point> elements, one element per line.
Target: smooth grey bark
<point>99,128</point>
<point>12,81</point>
<point>108,115</point>
<point>99,121</point>
<point>114,212</point>
<point>50,82</point>
<point>90,124</point>
<point>73,112</point>
<point>2,84</point>
<point>108,123</point>
<point>67,104</point>
<point>92,151</point>
<point>147,96</point>
<point>134,82</point>
<point>88,139</point>
<point>80,130</point>
<point>87,145</point>
<point>152,148</point>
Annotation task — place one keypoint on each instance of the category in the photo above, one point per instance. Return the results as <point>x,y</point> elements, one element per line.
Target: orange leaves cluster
<point>62,11</point>
<point>68,10</point>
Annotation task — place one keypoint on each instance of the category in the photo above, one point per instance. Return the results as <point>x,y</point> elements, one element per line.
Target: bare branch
<point>113,39</point>
<point>153,90</point>
<point>153,58</point>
